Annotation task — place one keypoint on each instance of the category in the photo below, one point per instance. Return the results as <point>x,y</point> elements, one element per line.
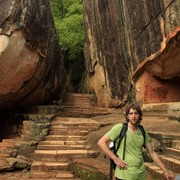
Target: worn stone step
<point>78,96</point>
<point>84,104</point>
<point>172,152</point>
<point>11,142</point>
<point>64,138</point>
<point>81,142</point>
<point>75,126</point>
<point>165,135</point>
<point>7,146</point>
<point>52,175</point>
<point>69,120</point>
<point>171,163</point>
<point>58,120</point>
<point>175,144</point>
<point>155,171</point>
<point>72,132</point>
<point>83,112</point>
<point>77,99</point>
<point>80,108</point>
<point>44,109</point>
<point>89,114</point>
<point>49,166</point>
<point>39,117</point>
<point>62,147</point>
<point>83,109</point>
<point>63,155</point>
<point>174,117</point>
<point>4,155</point>
<point>161,109</point>
<point>71,126</point>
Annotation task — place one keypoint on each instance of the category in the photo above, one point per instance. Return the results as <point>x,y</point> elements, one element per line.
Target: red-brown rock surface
<point>31,66</point>
<point>136,41</point>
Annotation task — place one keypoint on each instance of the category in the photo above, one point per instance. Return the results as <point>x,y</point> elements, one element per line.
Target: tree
<point>68,16</point>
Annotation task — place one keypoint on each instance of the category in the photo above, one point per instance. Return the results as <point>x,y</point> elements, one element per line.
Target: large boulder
<point>132,50</point>
<point>31,65</point>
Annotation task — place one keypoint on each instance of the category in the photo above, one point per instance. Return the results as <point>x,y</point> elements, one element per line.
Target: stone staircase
<point>169,154</point>
<point>81,105</point>
<point>169,141</point>
<point>66,141</point>
<point>64,150</point>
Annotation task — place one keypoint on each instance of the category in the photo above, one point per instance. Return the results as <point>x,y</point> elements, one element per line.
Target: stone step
<point>11,142</point>
<point>63,175</point>
<point>74,99</point>
<point>165,136</point>
<point>89,114</point>
<point>39,117</point>
<point>79,95</point>
<point>64,138</point>
<point>49,166</point>
<point>62,147</point>
<point>44,109</point>
<point>79,99</point>
<point>79,106</point>
<point>155,171</point>
<point>174,117</point>
<point>5,144</point>
<point>75,126</point>
<point>161,109</point>
<point>171,163</point>
<point>69,121</point>
<point>28,123</point>
<point>175,144</point>
<point>82,142</point>
<point>172,152</point>
<point>7,147</point>
<point>82,108</point>
<point>72,132</point>
<point>63,155</point>
<point>4,155</point>
<point>83,112</point>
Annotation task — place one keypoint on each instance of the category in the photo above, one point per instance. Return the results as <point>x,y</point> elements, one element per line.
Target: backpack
<point>115,148</point>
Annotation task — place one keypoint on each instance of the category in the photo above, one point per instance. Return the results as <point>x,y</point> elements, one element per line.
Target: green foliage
<point>57,8</point>
<point>68,16</point>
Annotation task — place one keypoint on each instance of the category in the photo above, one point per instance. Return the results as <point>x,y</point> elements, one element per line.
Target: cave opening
<point>11,125</point>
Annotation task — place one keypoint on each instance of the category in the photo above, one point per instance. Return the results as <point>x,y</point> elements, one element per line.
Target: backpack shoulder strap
<point>123,131</point>
<point>143,133</point>
<point>121,135</point>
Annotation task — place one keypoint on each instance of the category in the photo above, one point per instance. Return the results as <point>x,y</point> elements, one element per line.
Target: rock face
<point>133,44</point>
<point>31,67</point>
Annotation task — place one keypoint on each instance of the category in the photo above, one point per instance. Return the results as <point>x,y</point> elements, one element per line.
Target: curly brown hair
<point>134,107</point>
